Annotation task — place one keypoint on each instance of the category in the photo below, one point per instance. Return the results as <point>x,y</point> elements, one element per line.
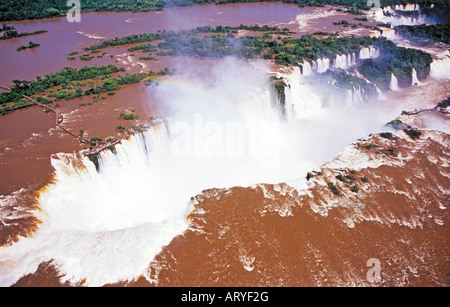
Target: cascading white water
<point>415,80</point>
<point>102,226</point>
<point>375,34</point>
<point>349,60</point>
<point>379,93</point>
<point>107,226</point>
<point>440,68</point>
<point>396,19</point>
<point>394,83</point>
<point>340,61</point>
<point>389,33</point>
<point>301,99</point>
<point>354,96</point>
<point>407,7</point>
<point>368,53</point>
<point>323,65</point>
<point>307,70</point>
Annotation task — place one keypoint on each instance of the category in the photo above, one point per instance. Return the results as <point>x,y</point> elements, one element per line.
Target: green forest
<point>424,34</point>
<point>30,45</point>
<point>37,9</point>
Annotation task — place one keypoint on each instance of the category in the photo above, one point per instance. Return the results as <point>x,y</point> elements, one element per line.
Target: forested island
<point>10,32</point>
<point>30,45</point>
<point>70,83</point>
<point>25,10</point>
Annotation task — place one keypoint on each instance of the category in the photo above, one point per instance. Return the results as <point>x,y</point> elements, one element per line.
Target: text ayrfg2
<point>229,297</point>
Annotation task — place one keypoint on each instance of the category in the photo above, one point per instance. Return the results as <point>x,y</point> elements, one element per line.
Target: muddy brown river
<point>262,235</point>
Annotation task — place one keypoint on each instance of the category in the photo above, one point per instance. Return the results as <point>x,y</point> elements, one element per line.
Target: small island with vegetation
<point>10,32</point>
<point>30,45</point>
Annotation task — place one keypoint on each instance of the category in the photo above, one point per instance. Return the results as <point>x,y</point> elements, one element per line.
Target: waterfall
<point>375,34</point>
<point>340,61</point>
<point>302,100</point>
<point>349,98</point>
<point>407,7</point>
<point>388,33</point>
<point>364,53</point>
<point>374,52</point>
<point>394,83</point>
<point>297,73</point>
<point>379,93</point>
<point>358,95</point>
<point>323,65</point>
<point>307,70</point>
<point>440,68</point>
<point>368,53</point>
<point>107,225</point>
<point>395,19</point>
<point>415,80</point>
<point>354,96</point>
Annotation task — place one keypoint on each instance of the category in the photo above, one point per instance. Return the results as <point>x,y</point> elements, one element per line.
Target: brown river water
<point>266,235</point>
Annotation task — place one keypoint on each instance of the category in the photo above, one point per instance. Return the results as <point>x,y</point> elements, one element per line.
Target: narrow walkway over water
<point>58,121</point>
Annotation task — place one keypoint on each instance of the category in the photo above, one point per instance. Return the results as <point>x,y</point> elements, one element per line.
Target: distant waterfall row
<point>305,99</point>
<point>390,14</point>
<point>407,7</point>
<point>342,61</point>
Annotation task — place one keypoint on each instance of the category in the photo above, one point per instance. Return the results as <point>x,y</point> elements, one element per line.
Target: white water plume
<point>354,96</point>
<point>391,16</point>
<point>393,85</point>
<point>415,80</point>
<point>440,68</point>
<point>341,61</point>
<point>389,33</point>
<point>323,64</point>
<point>307,69</point>
<point>369,53</point>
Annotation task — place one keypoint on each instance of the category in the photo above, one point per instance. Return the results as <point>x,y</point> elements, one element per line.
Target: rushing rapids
<point>440,68</point>
<point>284,237</point>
